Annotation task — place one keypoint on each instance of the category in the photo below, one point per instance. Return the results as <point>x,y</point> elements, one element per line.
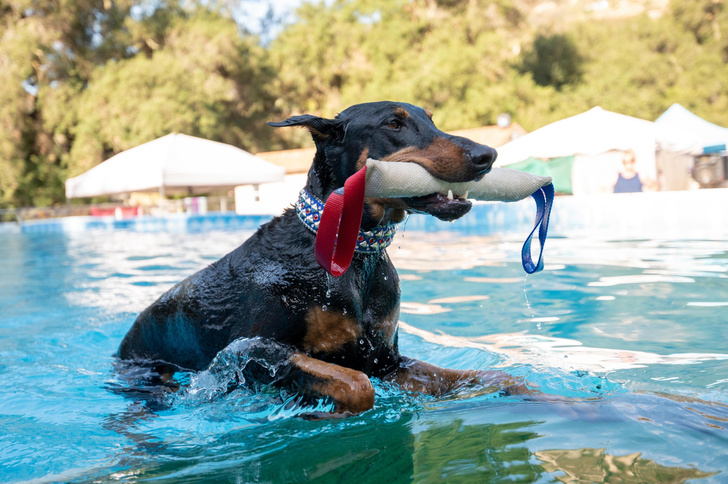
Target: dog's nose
<point>483,157</point>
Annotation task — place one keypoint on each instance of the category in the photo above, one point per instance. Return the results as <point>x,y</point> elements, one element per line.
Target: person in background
<point>628,180</point>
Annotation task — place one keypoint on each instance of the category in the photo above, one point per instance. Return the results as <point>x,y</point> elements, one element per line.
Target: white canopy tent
<point>175,163</point>
<point>677,117</point>
<point>709,170</point>
<point>597,139</point>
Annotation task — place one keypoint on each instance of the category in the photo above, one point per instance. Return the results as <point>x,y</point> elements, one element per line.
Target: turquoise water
<point>625,338</point>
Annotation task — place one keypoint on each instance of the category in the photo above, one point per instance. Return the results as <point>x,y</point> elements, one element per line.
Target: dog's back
<point>271,286</point>
<point>190,323</point>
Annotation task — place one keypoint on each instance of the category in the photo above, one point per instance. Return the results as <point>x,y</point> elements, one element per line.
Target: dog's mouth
<point>444,207</point>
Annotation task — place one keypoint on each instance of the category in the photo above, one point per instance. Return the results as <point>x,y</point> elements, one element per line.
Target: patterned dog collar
<point>309,210</point>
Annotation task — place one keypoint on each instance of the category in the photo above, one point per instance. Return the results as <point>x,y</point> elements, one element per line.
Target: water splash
<point>329,284</point>
<point>226,372</point>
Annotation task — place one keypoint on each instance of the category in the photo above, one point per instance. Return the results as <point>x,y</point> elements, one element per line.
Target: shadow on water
<point>595,465</point>
<point>493,453</point>
<point>241,435</point>
<point>392,452</point>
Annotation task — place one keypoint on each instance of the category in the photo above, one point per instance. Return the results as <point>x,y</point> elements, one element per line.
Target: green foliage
<point>83,80</point>
<point>553,60</point>
<point>207,81</point>
<point>700,17</point>
<point>440,55</point>
<point>47,49</point>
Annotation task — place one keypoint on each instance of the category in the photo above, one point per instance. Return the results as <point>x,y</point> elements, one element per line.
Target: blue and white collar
<point>310,208</point>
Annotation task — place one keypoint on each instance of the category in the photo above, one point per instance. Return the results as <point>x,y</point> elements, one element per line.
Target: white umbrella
<point>598,131</point>
<point>174,163</point>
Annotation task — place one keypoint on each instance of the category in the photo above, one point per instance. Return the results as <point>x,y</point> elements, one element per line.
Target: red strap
<point>339,225</point>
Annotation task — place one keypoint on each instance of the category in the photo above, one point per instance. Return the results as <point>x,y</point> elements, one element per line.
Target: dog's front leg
<point>351,390</point>
<point>418,376</point>
<point>266,362</point>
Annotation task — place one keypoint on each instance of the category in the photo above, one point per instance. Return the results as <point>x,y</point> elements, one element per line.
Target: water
<point>626,340</point>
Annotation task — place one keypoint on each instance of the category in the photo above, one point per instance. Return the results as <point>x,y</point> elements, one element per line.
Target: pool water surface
<point>626,340</point>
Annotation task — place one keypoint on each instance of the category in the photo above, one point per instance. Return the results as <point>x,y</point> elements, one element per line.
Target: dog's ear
<point>321,129</point>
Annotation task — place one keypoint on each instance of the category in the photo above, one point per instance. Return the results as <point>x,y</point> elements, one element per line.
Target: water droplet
<point>324,307</point>
<point>385,278</point>
<point>344,310</point>
<point>376,361</point>
<point>525,297</point>
<point>538,325</point>
<point>361,341</point>
<point>329,283</point>
<point>283,298</point>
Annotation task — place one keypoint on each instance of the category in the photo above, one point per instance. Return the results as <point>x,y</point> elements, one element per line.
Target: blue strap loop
<point>544,198</point>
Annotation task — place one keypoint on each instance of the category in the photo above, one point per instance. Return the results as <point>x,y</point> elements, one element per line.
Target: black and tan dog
<point>324,336</point>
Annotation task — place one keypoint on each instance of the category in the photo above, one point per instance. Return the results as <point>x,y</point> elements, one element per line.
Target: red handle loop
<point>339,225</point>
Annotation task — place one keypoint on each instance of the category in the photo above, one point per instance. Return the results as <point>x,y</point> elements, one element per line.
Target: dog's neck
<point>310,208</point>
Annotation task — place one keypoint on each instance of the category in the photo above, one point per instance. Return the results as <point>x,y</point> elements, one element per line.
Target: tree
<point>82,80</point>
<point>553,60</point>
<point>701,18</point>
<point>445,56</point>
<point>206,81</point>
<point>47,51</point>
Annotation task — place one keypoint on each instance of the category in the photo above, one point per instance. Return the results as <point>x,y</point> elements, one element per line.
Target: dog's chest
<point>354,315</point>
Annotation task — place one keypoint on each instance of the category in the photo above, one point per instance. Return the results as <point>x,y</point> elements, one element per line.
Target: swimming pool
<point>631,331</point>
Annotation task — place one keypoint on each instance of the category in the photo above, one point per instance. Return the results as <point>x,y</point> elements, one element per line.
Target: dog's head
<point>398,133</point>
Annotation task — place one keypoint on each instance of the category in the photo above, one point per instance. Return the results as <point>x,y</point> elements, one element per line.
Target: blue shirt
<point>627,185</point>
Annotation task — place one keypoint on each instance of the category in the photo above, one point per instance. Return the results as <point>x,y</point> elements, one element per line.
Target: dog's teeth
<point>466,194</point>
<point>449,194</point>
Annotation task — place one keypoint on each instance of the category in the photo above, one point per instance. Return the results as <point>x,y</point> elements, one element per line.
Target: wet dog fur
<point>324,336</point>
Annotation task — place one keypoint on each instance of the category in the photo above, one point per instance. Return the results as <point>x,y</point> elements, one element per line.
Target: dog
<point>315,334</point>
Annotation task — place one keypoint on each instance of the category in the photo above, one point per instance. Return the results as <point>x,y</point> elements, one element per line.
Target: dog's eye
<point>394,124</point>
